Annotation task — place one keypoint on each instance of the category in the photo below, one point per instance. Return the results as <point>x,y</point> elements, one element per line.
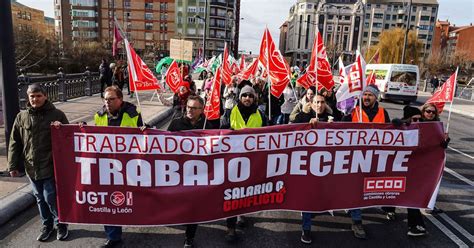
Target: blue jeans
<point>306,217</point>
<point>113,232</point>
<point>45,193</point>
<point>356,215</point>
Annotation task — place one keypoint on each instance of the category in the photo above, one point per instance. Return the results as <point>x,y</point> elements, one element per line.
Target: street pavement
<point>453,228</point>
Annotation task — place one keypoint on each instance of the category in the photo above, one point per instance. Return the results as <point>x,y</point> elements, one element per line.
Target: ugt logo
<point>117,198</point>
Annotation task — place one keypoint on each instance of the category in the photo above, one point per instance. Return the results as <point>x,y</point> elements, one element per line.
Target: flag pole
<point>268,77</point>
<point>452,100</point>
<point>316,68</point>
<point>362,93</point>
<point>373,56</point>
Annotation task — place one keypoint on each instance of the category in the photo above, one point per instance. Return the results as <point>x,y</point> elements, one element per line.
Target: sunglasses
<point>416,119</point>
<point>248,95</point>
<point>430,111</point>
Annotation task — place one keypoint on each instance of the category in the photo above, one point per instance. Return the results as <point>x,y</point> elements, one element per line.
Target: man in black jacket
<point>193,119</point>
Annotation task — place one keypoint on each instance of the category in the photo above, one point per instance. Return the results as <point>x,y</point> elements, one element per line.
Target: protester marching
<point>255,135</point>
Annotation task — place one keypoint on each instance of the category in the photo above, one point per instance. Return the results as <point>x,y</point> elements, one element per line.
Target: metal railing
<point>62,86</point>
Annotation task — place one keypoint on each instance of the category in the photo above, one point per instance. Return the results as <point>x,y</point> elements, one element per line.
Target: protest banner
<point>181,50</point>
<point>124,176</point>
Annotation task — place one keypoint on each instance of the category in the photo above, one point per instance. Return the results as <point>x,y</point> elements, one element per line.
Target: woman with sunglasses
<point>429,112</point>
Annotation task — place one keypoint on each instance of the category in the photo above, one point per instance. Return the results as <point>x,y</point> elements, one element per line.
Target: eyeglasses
<point>110,99</point>
<point>248,95</point>
<point>193,108</point>
<point>430,111</point>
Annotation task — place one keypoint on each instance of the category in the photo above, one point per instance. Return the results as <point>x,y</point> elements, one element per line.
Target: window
<point>422,36</point>
<point>378,16</point>
<point>412,18</point>
<point>387,17</point>
<point>28,16</point>
<point>377,25</point>
<point>367,16</point>
<point>425,8</point>
<point>191,9</point>
<point>387,26</point>
<point>149,6</point>
<point>407,77</point>
<point>366,34</point>
<point>347,18</point>
<point>148,26</point>
<point>433,10</point>
<point>394,17</point>
<point>309,6</point>
<point>425,18</point>
<point>329,28</point>
<point>191,20</point>
<point>346,29</point>
<point>413,8</point>
<point>330,17</point>
<point>148,16</point>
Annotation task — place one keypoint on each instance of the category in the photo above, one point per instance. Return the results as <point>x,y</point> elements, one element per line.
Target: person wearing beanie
<point>371,113</point>
<point>411,114</point>
<point>245,114</point>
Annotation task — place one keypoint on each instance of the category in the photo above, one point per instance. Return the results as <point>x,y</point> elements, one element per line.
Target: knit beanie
<point>247,90</point>
<point>372,89</point>
<point>409,111</point>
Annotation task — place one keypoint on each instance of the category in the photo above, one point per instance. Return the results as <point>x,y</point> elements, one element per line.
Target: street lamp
<point>406,33</point>
<point>203,35</point>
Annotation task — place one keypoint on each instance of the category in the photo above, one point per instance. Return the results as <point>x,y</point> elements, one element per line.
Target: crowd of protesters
<point>244,104</point>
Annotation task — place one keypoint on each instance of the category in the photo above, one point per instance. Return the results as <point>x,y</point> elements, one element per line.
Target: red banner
<point>273,61</point>
<point>445,93</point>
<point>213,103</point>
<point>140,76</point>
<point>173,77</point>
<point>123,176</point>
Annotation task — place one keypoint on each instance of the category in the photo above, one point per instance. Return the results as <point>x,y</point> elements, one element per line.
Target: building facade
<point>420,16</point>
<point>338,21</point>
<point>222,18</point>
<point>148,24</point>
<point>348,25</point>
<point>461,41</point>
<point>25,18</point>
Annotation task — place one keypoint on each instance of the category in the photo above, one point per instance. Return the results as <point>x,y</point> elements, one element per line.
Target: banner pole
<point>373,56</point>
<point>269,82</point>
<point>452,100</point>
<point>316,68</point>
<point>206,100</point>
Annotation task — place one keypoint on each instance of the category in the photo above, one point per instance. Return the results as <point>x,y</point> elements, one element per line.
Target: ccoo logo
<point>117,198</point>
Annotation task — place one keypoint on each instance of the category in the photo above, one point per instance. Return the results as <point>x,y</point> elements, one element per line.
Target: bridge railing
<point>61,87</point>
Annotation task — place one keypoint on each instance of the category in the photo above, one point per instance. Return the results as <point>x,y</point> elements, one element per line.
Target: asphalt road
<point>453,228</point>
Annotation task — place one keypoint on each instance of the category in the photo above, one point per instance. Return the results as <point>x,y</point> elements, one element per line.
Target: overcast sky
<point>272,13</point>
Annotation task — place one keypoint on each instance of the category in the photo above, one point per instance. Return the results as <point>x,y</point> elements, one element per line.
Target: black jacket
<point>183,123</point>
<point>303,117</point>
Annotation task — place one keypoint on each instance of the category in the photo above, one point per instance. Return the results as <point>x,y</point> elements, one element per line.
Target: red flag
<point>235,69</point>
<point>371,78</point>
<point>319,61</point>
<point>173,77</point>
<point>278,68</point>
<point>445,93</point>
<point>250,71</point>
<point>226,69</point>
<point>242,63</point>
<point>212,108</point>
<point>140,76</point>
<point>117,38</point>
<point>376,57</point>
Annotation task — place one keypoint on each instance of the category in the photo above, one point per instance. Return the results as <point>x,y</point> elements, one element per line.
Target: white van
<point>396,81</point>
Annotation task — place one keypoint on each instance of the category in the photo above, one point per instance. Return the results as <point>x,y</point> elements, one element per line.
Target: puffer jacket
<point>31,138</point>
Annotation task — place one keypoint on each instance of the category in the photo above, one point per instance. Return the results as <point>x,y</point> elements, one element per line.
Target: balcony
<point>401,12</point>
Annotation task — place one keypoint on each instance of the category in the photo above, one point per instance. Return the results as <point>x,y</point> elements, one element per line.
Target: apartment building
<point>222,18</point>
<point>25,18</point>
<point>417,15</point>
<point>348,25</point>
<point>148,24</point>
